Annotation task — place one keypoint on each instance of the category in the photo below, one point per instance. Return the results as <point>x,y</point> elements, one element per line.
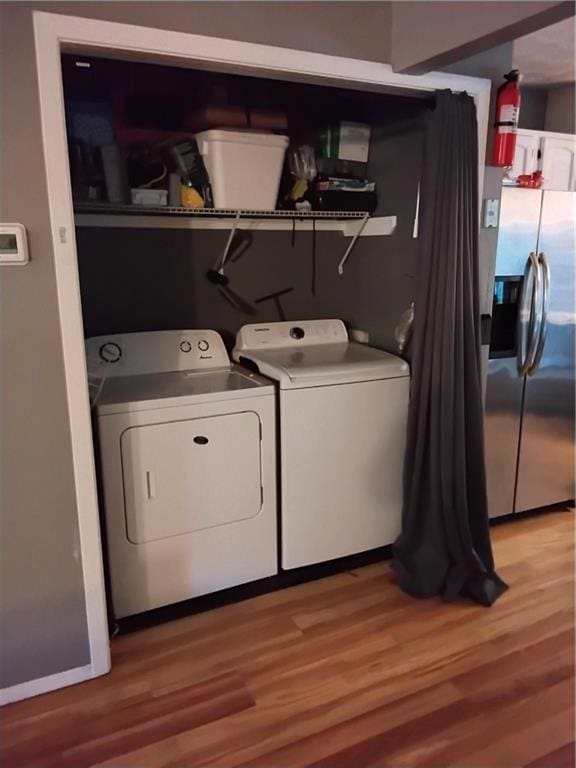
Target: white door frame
<point>54,33</point>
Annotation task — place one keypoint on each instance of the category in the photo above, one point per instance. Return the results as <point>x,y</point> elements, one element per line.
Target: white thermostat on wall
<point>13,244</point>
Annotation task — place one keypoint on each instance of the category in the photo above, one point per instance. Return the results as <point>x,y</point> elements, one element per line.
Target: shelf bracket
<point>352,244</point>
<point>219,267</point>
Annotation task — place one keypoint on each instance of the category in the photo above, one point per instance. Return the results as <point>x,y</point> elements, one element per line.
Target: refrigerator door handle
<point>527,323</point>
<point>545,267</point>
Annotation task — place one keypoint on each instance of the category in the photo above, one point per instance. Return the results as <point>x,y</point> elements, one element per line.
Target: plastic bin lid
<point>262,138</point>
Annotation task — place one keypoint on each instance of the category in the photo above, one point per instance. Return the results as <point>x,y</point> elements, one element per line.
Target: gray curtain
<point>444,548</point>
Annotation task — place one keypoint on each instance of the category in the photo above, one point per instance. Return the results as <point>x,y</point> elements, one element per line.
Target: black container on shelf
<point>339,200</point>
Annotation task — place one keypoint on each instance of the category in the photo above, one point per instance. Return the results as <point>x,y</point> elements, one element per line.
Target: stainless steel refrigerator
<point>530,388</point>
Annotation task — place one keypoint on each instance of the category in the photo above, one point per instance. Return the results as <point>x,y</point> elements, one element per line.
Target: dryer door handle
<point>151,484</point>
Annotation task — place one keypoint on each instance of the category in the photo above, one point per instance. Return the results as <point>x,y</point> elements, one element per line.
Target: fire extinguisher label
<point>509,114</point>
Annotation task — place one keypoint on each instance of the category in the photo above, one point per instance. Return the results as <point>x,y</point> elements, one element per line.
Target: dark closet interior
<point>139,279</point>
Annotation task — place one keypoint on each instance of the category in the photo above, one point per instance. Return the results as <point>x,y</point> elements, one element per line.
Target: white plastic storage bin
<point>244,167</point>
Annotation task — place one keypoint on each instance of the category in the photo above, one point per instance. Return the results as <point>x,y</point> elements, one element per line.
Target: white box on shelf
<point>149,196</point>
<point>244,167</point>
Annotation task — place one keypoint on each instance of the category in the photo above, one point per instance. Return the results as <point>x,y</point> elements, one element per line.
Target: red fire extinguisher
<point>507,114</point>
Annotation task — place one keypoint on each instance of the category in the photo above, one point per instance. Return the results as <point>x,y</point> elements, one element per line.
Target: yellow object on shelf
<point>190,197</point>
<point>299,189</point>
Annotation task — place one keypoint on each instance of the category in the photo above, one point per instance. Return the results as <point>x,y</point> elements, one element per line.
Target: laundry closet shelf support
<point>128,216</point>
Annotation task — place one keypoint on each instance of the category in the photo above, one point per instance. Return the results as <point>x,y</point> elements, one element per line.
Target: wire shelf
<point>212,213</point>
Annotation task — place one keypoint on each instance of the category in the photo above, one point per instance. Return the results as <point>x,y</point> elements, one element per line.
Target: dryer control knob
<point>203,345</point>
<point>110,352</point>
<point>185,346</point>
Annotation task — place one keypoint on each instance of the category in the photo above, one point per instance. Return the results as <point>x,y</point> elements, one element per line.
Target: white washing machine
<point>187,448</point>
<point>343,415</point>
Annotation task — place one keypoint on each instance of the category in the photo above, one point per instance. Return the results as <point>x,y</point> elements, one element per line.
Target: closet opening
<point>168,239</point>
<point>151,234</point>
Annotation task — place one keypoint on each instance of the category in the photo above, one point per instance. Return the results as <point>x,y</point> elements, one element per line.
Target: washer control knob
<point>110,352</point>
<point>185,346</point>
<point>203,345</point>
<point>297,333</point>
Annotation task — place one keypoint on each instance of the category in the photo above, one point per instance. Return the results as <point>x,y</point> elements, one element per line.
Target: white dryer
<point>343,415</point>
<point>187,449</point>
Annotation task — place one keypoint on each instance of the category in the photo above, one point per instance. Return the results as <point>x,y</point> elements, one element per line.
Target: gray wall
<point>43,623</point>
<point>548,110</point>
<point>429,35</point>
<point>560,109</point>
<point>324,27</point>
<point>533,108</point>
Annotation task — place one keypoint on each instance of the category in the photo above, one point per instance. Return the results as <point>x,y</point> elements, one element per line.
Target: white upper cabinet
<point>553,154</point>
<point>526,155</point>
<point>558,162</point>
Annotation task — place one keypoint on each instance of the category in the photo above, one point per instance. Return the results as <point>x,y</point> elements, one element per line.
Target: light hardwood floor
<point>343,673</point>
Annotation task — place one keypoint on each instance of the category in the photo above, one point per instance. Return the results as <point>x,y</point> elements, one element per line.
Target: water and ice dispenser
<point>505,308</point>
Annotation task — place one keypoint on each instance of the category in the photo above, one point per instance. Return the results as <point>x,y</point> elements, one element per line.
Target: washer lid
<point>324,364</point>
<point>122,394</point>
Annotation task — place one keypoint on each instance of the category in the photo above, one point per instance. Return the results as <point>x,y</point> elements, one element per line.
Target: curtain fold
<point>444,548</point>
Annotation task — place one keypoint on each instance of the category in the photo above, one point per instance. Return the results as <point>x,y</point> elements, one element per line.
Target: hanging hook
<point>220,269</point>
<point>352,244</point>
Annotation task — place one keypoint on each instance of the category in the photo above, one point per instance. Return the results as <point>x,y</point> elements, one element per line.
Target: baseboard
<point>558,507</point>
<point>281,580</point>
<point>45,684</point>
